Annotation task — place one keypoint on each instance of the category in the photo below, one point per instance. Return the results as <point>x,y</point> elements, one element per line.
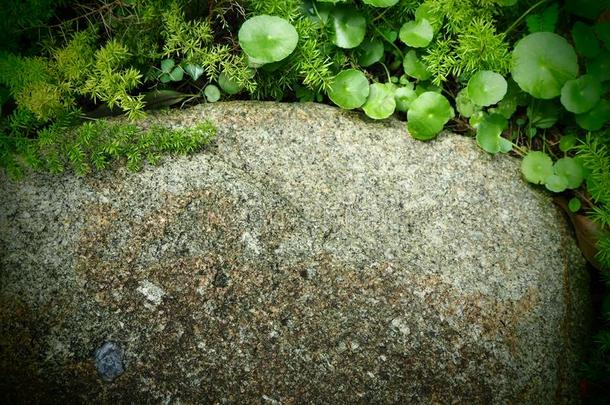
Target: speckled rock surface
<point>309,255</point>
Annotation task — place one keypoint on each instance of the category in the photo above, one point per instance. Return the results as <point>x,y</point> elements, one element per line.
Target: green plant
<point>542,63</point>
<point>212,93</point>
<point>545,65</point>
<point>486,88</point>
<point>349,89</point>
<point>381,101</point>
<point>94,145</point>
<point>267,39</point>
<point>107,67</point>
<point>172,73</point>
<point>507,71</point>
<point>428,114</point>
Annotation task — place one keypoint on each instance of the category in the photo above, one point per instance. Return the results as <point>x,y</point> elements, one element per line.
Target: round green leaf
<point>489,131</point>
<point>349,89</point>
<point>541,64</point>
<point>414,67</point>
<point>380,104</point>
<point>177,74</point>
<point>567,142</point>
<point>227,85</point>
<point>532,132</point>
<point>571,170</point>
<point>417,34</point>
<point>585,40</point>
<point>505,145</point>
<point>274,66</point>
<point>194,71</point>
<point>465,106</point>
<point>212,94</point>
<point>594,119</point>
<point>321,11</point>
<point>304,94</point>
<point>388,33</point>
<point>476,118</point>
<point>423,87</point>
<point>507,107</point>
<point>370,52</point>
<point>575,204</point>
<point>380,3</point>
<point>167,65</point>
<point>254,64</point>
<point>488,137</point>
<point>582,94</point>
<point>349,27</point>
<point>267,39</point>
<point>556,183</point>
<point>536,167</point>
<point>543,113</point>
<point>486,88</point>
<point>424,11</point>
<point>404,96</point>
<point>428,115</point>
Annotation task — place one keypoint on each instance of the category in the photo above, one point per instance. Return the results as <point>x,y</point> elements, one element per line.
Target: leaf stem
<point>522,152</point>
<point>315,9</point>
<point>386,71</point>
<point>381,14</point>
<point>389,42</point>
<point>584,197</point>
<point>518,20</point>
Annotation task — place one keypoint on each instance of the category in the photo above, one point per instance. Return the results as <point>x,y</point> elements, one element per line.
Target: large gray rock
<point>307,256</point>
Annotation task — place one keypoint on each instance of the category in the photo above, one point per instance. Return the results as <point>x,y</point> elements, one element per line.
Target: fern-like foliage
<point>184,38</point>
<point>95,145</point>
<point>110,82</point>
<point>47,86</point>
<point>72,63</point>
<point>595,156</point>
<point>469,42</point>
<point>288,9</point>
<point>32,85</point>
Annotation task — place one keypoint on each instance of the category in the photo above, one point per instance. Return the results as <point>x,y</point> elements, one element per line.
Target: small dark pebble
<point>221,280</point>
<point>109,361</point>
<point>308,273</point>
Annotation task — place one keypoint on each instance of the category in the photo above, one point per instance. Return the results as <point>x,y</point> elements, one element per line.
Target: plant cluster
<point>94,145</point>
<point>529,78</point>
<point>107,57</point>
<point>430,61</point>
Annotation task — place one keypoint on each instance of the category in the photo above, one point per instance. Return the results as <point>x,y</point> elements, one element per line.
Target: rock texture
<point>308,256</point>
